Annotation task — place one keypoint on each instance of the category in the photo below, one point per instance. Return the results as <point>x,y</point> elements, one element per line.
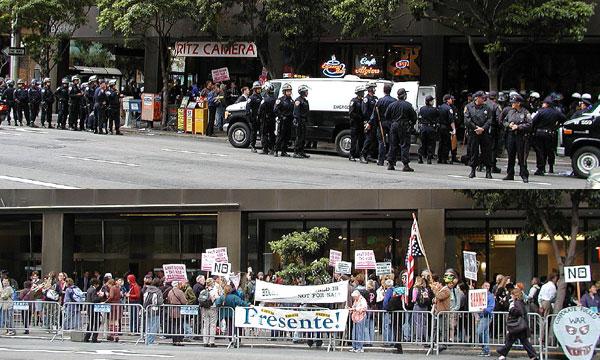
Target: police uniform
<point>62,97</point>
<point>517,141</point>
<point>402,118</point>
<point>113,113</point>
<point>22,104</point>
<point>381,126</point>
<point>252,110</point>
<point>357,131</point>
<point>544,125</point>
<point>429,118</point>
<point>284,109</point>
<point>89,102</point>
<point>75,95</point>
<point>370,137</point>
<point>266,114</point>
<point>447,118</point>
<point>9,96</point>
<point>479,116</point>
<point>47,102</point>
<point>301,110</point>
<point>497,132</point>
<point>101,105</point>
<point>35,99</point>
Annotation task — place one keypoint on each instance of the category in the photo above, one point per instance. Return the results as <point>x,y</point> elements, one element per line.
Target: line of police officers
<point>94,105</point>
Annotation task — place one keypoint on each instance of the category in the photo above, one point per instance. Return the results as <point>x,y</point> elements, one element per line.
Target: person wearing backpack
<point>208,311</point>
<point>72,310</point>
<point>153,298</point>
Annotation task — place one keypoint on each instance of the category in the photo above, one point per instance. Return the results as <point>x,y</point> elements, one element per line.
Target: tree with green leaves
<point>138,18</point>
<point>493,23</point>
<point>295,248</point>
<point>553,213</point>
<point>47,24</point>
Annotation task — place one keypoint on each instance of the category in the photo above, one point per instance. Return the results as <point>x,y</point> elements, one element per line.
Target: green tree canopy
<point>295,248</point>
<point>545,214</point>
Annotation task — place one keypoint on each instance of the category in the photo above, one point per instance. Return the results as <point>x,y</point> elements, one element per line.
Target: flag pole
<point>421,245</point>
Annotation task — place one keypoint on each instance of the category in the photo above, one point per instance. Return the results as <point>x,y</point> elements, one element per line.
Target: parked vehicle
<point>581,141</point>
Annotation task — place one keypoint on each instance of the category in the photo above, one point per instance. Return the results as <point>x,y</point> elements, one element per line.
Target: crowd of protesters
<point>372,300</point>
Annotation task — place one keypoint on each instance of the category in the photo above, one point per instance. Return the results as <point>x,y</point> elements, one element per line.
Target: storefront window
<point>404,63</point>
<point>274,230</point>
<point>88,236</point>
<point>17,254</point>
<point>466,235</point>
<point>369,61</point>
<point>337,236</point>
<point>372,235</point>
<point>198,235</point>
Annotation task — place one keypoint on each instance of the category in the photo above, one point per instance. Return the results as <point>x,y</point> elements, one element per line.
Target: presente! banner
<point>175,272</point>
<point>334,257</point>
<point>260,317</point>
<point>364,260</point>
<point>311,294</point>
<point>477,300</point>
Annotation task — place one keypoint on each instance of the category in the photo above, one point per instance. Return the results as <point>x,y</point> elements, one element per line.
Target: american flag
<point>414,250</point>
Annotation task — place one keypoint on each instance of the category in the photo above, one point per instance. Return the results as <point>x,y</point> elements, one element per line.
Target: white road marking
<point>193,152</point>
<point>38,183</point>
<point>9,133</point>
<point>499,180</point>
<point>31,130</point>
<point>93,352</point>
<point>99,161</point>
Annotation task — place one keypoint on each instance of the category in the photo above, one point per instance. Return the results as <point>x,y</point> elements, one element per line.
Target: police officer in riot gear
<point>379,124</point>
<point>446,130</point>
<point>478,120</point>
<point>545,123</point>
<point>35,99</point>
<point>518,126</point>
<point>534,102</point>
<point>113,111</point>
<point>9,96</point>
<point>101,105</point>
<point>22,103</point>
<point>497,133</point>
<point>252,112</point>
<point>47,102</point>
<point>402,117</point>
<point>356,123</point>
<point>266,114</point>
<point>301,110</point>
<point>584,106</point>
<point>62,108</point>
<point>370,137</point>
<point>89,94</point>
<point>75,96</point>
<point>284,110</point>
<point>429,119</point>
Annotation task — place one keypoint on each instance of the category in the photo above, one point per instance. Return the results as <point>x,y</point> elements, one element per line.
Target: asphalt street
<point>26,349</point>
<point>50,158</point>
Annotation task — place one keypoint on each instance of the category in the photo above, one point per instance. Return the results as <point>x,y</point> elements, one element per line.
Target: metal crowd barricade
<point>391,328</point>
<point>188,323</point>
<point>113,321</point>
<point>36,317</point>
<point>263,337</point>
<point>463,328</point>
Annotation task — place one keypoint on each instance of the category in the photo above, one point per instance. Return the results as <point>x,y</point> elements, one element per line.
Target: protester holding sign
<point>483,327</point>
<point>517,326</point>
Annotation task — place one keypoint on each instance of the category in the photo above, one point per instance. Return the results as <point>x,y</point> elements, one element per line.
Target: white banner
<point>470,265</point>
<point>311,294</point>
<point>215,49</point>
<point>260,317</point>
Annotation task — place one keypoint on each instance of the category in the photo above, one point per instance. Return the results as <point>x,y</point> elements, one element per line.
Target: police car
<point>580,138</point>
<point>329,101</point>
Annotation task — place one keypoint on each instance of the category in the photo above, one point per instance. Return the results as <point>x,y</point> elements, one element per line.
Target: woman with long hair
<point>517,326</point>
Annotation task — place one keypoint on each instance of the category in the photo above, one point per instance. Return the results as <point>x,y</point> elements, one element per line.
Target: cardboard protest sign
<point>219,254</point>
<point>334,257</point>
<point>364,260</point>
<point>577,330</point>
<point>222,269</point>
<point>581,273</point>
<point>207,263</point>
<point>175,272</point>
<point>383,268</point>
<point>343,267</point>
<point>220,74</point>
<point>477,300</point>
<point>470,265</point>
<point>322,320</point>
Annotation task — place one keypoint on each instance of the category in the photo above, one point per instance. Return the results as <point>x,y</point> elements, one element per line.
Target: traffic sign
<point>16,51</point>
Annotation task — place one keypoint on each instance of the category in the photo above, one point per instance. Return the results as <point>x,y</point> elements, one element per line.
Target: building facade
<point>137,231</point>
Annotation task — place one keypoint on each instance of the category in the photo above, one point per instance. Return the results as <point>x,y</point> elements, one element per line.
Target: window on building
<point>198,235</point>
<point>372,235</point>
<point>88,236</point>
<point>404,63</point>
<point>334,60</point>
<point>369,61</point>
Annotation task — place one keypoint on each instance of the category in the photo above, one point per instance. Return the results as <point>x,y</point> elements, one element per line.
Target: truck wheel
<point>239,135</point>
<point>585,159</point>
<point>343,143</point>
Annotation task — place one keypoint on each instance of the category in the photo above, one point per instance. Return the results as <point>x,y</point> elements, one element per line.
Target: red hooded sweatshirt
<point>134,290</point>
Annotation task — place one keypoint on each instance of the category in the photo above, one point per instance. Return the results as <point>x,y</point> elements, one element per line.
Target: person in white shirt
<point>547,295</point>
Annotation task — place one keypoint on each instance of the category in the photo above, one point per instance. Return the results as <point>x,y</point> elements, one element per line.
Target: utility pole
<point>15,41</point>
